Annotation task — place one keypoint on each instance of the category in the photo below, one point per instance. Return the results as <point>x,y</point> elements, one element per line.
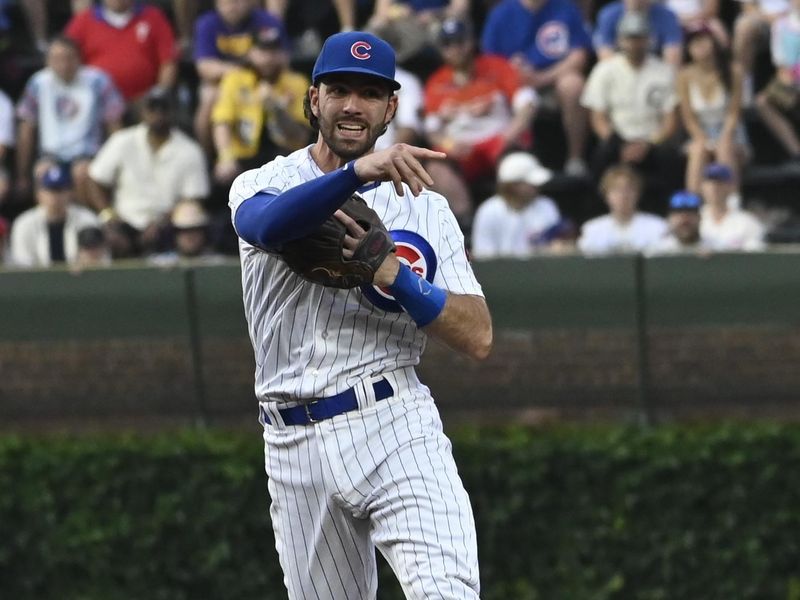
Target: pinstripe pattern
<point>312,341</point>
<point>380,477</point>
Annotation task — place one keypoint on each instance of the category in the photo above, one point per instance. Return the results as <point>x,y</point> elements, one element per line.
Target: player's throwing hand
<point>399,164</point>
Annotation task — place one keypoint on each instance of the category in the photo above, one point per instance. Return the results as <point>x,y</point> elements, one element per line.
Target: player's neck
<point>325,158</point>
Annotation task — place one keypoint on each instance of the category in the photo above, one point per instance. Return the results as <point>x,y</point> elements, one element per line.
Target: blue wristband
<point>423,301</point>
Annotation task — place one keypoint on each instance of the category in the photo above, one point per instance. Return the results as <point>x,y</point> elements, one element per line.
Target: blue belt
<point>327,408</point>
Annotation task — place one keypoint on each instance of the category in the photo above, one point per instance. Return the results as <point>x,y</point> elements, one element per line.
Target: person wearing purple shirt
<point>549,44</point>
<point>666,36</point>
<point>221,40</point>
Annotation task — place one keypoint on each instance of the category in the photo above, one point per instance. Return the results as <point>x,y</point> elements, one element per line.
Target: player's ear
<point>391,109</point>
<point>313,100</point>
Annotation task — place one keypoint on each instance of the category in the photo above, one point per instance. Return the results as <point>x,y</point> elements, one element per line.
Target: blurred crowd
<point>123,122</point>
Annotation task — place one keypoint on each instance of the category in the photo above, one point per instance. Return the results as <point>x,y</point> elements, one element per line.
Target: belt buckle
<point>309,416</point>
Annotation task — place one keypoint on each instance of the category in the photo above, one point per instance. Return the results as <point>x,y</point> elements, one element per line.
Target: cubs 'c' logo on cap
<point>413,250</point>
<point>360,50</point>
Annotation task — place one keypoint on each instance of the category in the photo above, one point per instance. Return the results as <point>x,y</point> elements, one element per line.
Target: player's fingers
<point>419,170</point>
<point>423,153</point>
<point>396,178</point>
<point>350,224</point>
<point>349,246</point>
<point>409,175</point>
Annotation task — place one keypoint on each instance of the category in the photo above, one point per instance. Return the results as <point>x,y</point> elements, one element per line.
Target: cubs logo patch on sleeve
<point>413,250</point>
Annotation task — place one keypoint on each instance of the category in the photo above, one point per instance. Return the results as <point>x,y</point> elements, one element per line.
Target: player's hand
<point>387,272</point>
<point>399,164</point>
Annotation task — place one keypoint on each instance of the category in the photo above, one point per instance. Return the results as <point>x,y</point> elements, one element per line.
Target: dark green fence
<point>627,336</point>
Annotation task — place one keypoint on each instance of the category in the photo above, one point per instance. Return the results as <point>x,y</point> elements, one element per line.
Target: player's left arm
<point>460,319</point>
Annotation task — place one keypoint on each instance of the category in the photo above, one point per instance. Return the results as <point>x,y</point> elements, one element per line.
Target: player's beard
<point>345,148</point>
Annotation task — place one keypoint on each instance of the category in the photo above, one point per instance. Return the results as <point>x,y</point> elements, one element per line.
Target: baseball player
<point>354,448</point>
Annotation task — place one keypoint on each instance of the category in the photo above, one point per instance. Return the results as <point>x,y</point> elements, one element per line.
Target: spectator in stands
<point>411,25</point>
<point>664,29</point>
<point>751,31</point>
<point>710,94</point>
<point>141,173</point>
<point>549,44</point>
<point>406,127</point>
<point>192,243</point>
<point>222,40</point>
<point>517,221</point>
<point>624,229</point>
<point>779,103</point>
<point>48,233</point>
<point>7,141</point>
<point>632,101</point>
<point>93,248</point>
<point>313,20</point>
<point>259,112</point>
<point>66,112</point>
<point>131,41</point>
<point>684,227</point>
<point>476,107</point>
<point>693,14</point>
<point>725,228</point>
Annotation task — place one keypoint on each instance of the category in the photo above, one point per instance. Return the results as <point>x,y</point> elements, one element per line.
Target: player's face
<point>63,60</point>
<point>353,112</point>
<point>685,225</point>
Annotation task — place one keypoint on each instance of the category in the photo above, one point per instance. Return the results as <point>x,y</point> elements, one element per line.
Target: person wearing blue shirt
<point>666,36</point>
<point>549,44</point>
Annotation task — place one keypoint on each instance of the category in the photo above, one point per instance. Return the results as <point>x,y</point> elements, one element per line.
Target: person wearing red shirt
<point>131,41</point>
<point>476,108</point>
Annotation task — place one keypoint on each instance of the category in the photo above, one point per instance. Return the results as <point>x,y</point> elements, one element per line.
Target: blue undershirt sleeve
<point>269,220</point>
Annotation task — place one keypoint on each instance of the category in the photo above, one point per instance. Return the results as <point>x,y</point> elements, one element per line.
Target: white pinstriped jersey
<point>312,341</point>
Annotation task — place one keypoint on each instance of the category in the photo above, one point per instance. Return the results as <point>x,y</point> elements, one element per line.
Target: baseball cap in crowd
<point>454,31</point>
<point>685,200</point>
<point>633,24</point>
<point>189,215</point>
<point>522,166</point>
<point>56,177</point>
<point>270,38</point>
<point>718,172</point>
<point>356,52</point>
<point>158,98</point>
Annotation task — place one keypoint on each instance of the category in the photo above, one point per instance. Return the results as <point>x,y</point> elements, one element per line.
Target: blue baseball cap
<point>56,177</point>
<point>356,52</point>
<point>718,172</point>
<point>684,200</point>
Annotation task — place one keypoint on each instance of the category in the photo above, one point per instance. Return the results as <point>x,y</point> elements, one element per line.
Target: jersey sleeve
<point>267,178</point>
<point>454,272</point>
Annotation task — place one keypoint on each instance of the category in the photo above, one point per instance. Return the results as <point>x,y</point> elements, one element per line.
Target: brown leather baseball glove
<point>318,257</point>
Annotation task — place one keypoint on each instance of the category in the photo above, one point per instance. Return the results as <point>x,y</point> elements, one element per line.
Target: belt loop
<point>275,417</point>
<point>365,393</point>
